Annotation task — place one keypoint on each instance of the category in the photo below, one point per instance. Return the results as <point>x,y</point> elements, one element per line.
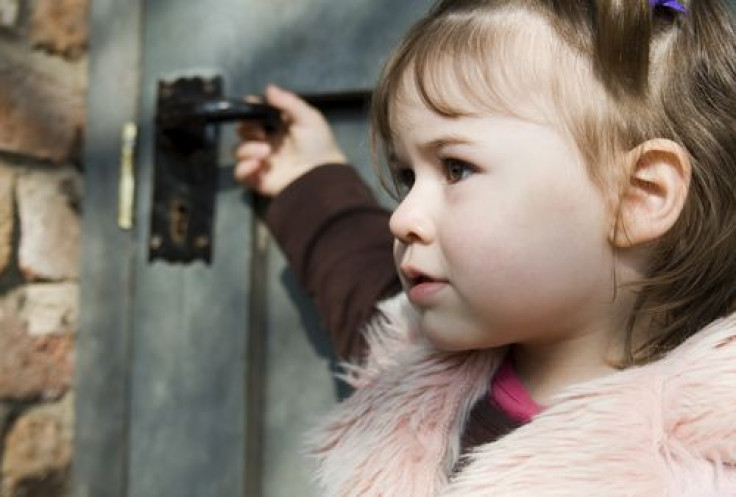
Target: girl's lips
<point>423,293</point>
<point>421,287</point>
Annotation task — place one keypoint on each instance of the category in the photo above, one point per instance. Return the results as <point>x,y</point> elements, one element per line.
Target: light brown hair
<point>620,73</point>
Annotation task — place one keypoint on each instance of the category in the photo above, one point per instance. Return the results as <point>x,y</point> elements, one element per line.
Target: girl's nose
<point>411,221</point>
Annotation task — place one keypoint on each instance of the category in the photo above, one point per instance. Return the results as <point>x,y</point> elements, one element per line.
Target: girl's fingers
<point>253,150</point>
<point>296,109</point>
<point>251,130</point>
<point>246,171</point>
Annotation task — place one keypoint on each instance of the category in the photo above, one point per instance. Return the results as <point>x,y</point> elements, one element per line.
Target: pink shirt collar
<point>508,393</point>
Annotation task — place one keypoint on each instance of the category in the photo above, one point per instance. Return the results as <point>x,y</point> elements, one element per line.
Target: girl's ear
<point>651,202</point>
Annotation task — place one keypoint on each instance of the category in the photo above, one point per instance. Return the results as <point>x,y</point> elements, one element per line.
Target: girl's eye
<point>456,170</point>
<point>404,180</point>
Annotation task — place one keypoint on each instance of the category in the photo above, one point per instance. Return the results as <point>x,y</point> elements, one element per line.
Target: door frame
<point>107,266</point>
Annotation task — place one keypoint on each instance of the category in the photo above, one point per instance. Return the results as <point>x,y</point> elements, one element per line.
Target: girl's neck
<point>546,370</point>
<point>586,351</point>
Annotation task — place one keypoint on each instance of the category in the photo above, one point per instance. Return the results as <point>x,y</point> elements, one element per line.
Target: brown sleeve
<point>336,239</point>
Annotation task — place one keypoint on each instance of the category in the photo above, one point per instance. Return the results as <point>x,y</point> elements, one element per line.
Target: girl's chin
<point>445,342</point>
<point>447,336</point>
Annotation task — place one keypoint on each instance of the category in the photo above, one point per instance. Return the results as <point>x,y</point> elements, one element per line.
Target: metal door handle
<point>186,168</point>
<point>184,112</point>
<point>188,112</point>
<point>186,153</point>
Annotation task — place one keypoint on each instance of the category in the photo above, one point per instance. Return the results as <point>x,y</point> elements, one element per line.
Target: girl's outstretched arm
<point>336,239</point>
<point>333,232</point>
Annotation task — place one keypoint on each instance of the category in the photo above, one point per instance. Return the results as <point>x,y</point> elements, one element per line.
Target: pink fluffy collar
<point>665,429</point>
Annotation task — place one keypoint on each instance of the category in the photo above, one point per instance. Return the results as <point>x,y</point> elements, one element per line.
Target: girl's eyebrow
<point>433,146</point>
<point>444,141</point>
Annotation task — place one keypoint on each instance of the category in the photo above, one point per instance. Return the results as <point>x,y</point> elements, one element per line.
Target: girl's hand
<point>268,164</point>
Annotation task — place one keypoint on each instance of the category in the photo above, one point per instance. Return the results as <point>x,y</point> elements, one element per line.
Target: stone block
<point>7,215</point>
<point>42,105</point>
<point>50,308</point>
<point>49,224</point>
<point>9,13</point>
<point>33,367</point>
<point>38,452</point>
<point>60,27</point>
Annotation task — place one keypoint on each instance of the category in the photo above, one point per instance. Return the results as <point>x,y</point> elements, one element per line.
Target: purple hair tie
<point>669,4</point>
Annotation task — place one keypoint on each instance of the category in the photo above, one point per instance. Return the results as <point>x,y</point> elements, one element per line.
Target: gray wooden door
<point>199,380</point>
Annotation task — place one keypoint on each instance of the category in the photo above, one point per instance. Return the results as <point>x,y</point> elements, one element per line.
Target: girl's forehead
<point>439,90</point>
<point>518,74</point>
<point>442,94</point>
<point>515,66</point>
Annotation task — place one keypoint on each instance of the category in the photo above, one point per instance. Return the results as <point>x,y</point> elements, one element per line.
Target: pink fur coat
<point>664,429</point>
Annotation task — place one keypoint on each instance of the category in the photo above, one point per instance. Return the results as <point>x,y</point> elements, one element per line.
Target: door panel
<point>189,408</point>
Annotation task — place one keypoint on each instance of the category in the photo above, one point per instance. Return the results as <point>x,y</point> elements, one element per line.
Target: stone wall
<point>42,92</point>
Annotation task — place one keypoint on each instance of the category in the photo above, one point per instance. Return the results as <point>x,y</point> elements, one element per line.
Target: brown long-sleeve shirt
<point>336,238</point>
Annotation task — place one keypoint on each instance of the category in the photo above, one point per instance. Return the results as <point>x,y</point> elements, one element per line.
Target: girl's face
<point>502,237</point>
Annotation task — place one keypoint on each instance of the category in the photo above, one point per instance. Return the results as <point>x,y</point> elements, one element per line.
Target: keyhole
<point>179,222</point>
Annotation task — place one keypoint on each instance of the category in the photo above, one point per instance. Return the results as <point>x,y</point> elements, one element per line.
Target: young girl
<point>564,240</point>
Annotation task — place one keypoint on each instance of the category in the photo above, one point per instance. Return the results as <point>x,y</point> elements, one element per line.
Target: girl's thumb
<point>296,108</point>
